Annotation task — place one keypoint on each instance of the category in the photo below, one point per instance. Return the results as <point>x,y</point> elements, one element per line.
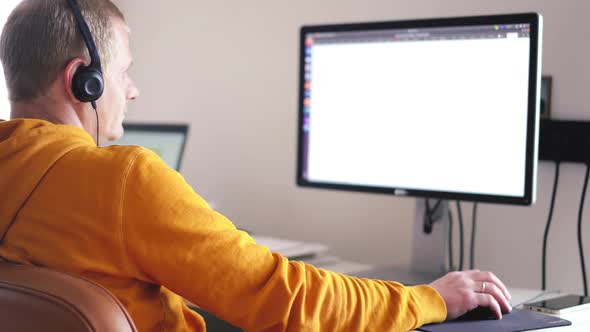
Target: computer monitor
<point>443,108</point>
<point>167,141</point>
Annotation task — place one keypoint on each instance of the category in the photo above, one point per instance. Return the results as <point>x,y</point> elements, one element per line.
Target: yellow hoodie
<point>119,216</point>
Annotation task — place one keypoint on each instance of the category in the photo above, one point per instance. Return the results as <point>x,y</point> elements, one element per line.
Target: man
<point>121,217</point>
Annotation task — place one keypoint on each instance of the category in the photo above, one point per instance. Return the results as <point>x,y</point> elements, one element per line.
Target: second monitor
<point>166,140</point>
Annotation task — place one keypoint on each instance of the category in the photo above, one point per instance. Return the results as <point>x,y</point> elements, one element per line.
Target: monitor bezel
<point>179,128</point>
<point>534,19</point>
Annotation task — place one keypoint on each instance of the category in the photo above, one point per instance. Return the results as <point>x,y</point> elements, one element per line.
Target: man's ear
<point>69,73</point>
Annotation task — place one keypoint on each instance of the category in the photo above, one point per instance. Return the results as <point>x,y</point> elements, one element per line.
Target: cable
<point>429,215</point>
<point>580,245</point>
<point>472,245</point>
<point>436,205</point>
<point>427,227</point>
<point>93,103</point>
<point>451,267</point>
<point>460,217</point>
<point>544,257</point>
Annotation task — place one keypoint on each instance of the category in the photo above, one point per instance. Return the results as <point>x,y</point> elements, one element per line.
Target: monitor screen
<point>443,108</point>
<point>167,141</point>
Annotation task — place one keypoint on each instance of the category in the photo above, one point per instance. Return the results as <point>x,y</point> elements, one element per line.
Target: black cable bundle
<point>429,215</point>
<point>544,260</point>
<point>451,263</point>
<point>460,218</point>
<point>472,245</point>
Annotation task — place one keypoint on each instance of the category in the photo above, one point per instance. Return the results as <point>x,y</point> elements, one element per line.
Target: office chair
<point>39,299</point>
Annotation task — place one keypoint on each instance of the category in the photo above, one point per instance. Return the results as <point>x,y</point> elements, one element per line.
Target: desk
<point>402,275</point>
<point>310,253</point>
<point>580,320</point>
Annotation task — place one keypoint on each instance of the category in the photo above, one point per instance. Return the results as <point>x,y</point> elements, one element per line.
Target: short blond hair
<point>41,37</point>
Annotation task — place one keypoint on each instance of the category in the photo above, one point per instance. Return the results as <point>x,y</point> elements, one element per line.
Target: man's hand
<point>467,290</point>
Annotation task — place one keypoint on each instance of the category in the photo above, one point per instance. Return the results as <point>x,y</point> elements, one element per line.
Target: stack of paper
<point>289,248</point>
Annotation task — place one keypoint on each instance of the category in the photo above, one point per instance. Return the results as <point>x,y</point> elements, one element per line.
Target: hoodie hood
<point>28,150</point>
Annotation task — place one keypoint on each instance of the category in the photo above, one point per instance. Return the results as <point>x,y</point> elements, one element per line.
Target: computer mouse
<point>479,313</point>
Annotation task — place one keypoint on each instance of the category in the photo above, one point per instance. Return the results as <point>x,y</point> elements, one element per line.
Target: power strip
<point>564,141</point>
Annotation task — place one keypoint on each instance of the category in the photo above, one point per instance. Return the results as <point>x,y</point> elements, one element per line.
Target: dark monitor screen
<point>444,108</point>
<point>167,141</point>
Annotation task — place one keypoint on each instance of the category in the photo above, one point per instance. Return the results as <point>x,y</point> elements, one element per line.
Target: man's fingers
<point>490,277</point>
<point>467,290</point>
<point>488,301</point>
<point>493,290</point>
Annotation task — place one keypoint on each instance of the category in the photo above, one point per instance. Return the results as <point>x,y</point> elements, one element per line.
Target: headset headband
<point>87,36</point>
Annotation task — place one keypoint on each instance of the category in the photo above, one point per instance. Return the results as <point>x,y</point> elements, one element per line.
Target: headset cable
<point>93,103</point>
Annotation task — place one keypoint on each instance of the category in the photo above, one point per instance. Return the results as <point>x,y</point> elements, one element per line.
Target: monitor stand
<point>431,236</point>
<point>429,248</point>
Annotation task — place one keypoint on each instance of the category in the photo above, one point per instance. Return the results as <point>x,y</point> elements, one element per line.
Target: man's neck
<point>48,110</point>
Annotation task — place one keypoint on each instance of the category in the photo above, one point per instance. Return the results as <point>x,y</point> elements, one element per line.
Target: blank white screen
<point>445,115</point>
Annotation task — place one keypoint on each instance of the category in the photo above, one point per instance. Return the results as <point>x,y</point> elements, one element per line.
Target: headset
<point>88,82</point>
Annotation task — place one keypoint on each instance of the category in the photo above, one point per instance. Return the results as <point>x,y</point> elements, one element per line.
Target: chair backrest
<point>39,299</point>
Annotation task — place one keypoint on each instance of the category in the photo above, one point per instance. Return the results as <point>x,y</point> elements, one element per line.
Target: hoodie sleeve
<point>174,239</point>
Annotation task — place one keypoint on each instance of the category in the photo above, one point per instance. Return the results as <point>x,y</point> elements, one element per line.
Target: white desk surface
<point>580,320</point>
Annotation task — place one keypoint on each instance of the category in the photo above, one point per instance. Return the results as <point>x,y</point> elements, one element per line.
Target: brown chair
<point>38,299</point>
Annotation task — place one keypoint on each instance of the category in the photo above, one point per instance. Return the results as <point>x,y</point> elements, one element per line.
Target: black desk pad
<point>517,320</point>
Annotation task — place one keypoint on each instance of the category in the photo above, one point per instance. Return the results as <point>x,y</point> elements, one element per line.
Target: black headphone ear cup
<point>87,85</point>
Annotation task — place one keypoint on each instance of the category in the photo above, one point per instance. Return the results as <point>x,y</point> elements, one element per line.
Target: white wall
<point>230,70</point>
